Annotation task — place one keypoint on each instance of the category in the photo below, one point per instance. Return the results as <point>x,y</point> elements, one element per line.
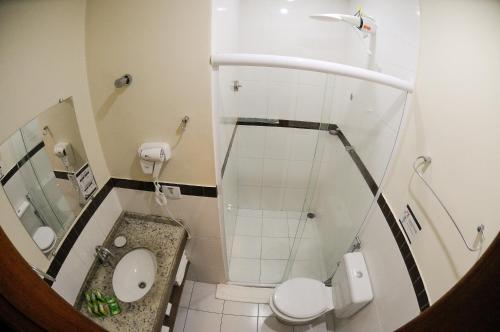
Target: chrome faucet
<point>104,254</point>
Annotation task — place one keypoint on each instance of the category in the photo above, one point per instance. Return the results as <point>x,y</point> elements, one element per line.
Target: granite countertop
<point>165,239</point>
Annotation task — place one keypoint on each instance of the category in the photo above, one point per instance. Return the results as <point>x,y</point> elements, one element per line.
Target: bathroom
<point>215,165</point>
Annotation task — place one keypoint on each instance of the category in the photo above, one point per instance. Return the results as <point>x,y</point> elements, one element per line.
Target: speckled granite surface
<point>165,240</point>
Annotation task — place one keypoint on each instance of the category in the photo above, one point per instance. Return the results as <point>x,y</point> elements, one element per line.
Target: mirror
<point>45,174</point>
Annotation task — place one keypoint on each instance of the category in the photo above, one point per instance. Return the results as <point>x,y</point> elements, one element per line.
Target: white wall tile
<point>70,278</point>
<point>282,101</point>
<point>250,171</point>
<point>252,100</point>
<point>250,141</point>
<point>272,198</point>
<point>309,103</point>
<point>274,172</point>
<point>298,173</point>
<point>395,306</point>
<point>250,213</point>
<point>78,262</point>
<point>244,270</point>
<point>249,197</point>
<point>275,248</point>
<point>294,199</point>
<point>272,271</point>
<point>278,143</point>
<point>303,144</point>
<point>246,247</point>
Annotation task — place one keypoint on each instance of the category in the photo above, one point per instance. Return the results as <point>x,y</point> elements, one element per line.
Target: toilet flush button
<point>358,274</point>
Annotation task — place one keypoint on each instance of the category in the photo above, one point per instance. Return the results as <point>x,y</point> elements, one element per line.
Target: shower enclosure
<point>305,123</point>
<point>301,156</point>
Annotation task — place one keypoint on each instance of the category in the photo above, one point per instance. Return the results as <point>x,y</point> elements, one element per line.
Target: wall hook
<point>123,81</point>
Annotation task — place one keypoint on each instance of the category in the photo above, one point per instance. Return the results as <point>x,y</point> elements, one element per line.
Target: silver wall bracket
<point>125,80</point>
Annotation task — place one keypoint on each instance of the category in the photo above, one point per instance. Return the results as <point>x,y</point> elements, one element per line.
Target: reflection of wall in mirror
<point>61,124</point>
<point>11,151</point>
<point>54,31</point>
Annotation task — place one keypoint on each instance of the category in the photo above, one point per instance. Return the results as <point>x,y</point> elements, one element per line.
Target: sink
<point>134,275</point>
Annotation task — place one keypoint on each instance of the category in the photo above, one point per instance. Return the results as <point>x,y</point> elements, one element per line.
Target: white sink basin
<point>134,275</point>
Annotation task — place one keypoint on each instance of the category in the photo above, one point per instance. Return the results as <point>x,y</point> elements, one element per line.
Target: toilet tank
<point>351,285</point>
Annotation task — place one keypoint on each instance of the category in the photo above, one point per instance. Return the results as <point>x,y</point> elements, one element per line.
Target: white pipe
<point>264,60</point>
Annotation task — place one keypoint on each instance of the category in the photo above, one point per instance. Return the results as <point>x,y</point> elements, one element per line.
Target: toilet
<point>45,239</point>
<point>301,300</point>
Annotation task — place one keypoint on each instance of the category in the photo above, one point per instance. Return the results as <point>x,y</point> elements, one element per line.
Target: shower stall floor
<point>263,242</point>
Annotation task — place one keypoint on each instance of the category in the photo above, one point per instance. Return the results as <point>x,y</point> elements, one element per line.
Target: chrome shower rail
<point>265,60</point>
<point>425,162</point>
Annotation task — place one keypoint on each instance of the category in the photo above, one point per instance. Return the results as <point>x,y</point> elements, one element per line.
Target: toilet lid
<point>300,298</point>
<point>44,237</point>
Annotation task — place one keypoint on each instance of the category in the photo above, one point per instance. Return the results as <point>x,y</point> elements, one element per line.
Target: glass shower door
<point>348,169</point>
<point>269,122</point>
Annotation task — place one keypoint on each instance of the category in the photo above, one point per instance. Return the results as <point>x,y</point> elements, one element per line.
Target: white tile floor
<point>200,311</point>
<point>263,242</point>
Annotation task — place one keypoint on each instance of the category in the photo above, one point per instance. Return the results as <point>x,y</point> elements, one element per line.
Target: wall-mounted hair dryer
<point>152,156</point>
<point>64,151</point>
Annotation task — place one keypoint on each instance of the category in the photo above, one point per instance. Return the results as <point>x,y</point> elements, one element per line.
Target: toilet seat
<point>44,238</point>
<point>301,298</point>
<point>290,320</point>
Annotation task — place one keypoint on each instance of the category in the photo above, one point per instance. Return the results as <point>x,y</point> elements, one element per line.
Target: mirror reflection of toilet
<point>45,238</point>
<point>302,300</point>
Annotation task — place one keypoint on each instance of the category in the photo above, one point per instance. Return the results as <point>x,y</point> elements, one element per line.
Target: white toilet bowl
<point>45,239</point>
<point>301,300</point>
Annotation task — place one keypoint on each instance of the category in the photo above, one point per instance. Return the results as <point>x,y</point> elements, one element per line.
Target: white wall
<point>201,215</point>
<point>42,60</point>
<point>394,301</point>
<point>165,45</point>
<point>454,119</point>
<point>72,274</point>
<point>284,28</point>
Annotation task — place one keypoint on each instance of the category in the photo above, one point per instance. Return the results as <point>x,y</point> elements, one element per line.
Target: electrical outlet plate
<point>171,192</point>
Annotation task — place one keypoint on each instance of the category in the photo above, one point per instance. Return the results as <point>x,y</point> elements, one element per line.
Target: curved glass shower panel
<point>43,171</point>
<point>270,152</point>
<point>25,193</point>
<point>350,165</point>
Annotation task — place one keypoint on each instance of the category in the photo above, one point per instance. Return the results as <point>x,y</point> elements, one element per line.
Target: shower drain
<point>142,285</point>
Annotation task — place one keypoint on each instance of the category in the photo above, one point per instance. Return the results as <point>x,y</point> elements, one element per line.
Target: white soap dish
<point>120,241</point>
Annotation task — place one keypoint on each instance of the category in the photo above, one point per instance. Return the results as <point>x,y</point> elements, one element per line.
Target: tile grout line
<point>189,306</point>
<point>222,314</point>
<point>261,244</point>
